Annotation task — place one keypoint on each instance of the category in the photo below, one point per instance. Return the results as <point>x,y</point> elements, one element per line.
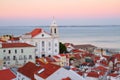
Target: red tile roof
<point>62,54</point>
<point>104,63</point>
<point>67,78</point>
<point>6,75</point>
<point>56,57</point>
<point>117,56</point>
<point>29,69</point>
<point>93,74</point>
<point>40,62</point>
<point>2,40</point>
<point>76,51</point>
<point>100,68</point>
<point>50,59</point>
<point>80,73</point>
<point>35,32</point>
<point>13,45</point>
<point>77,56</point>
<point>15,39</point>
<point>49,69</point>
<point>113,75</point>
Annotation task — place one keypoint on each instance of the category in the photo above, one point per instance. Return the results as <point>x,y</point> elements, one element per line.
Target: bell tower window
<point>55,30</point>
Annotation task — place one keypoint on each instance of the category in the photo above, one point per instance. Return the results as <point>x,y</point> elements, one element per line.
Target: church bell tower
<point>54,29</point>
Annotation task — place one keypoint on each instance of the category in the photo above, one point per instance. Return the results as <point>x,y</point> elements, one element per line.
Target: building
<point>7,74</point>
<point>27,71</point>
<point>47,44</point>
<point>12,54</point>
<point>31,71</point>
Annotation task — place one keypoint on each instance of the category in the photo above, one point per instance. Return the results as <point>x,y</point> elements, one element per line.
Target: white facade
<point>12,56</point>
<point>46,43</point>
<point>22,77</point>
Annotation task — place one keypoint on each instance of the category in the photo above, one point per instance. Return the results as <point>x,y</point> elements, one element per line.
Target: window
<point>55,30</point>
<point>42,35</point>
<point>18,75</point>
<point>23,78</point>
<point>8,57</point>
<point>49,44</point>
<point>4,63</point>
<point>21,50</point>
<point>14,57</point>
<point>15,51</point>
<point>43,55</point>
<point>43,49</point>
<point>55,50</point>
<point>4,58</point>
<point>4,50</point>
<point>55,44</point>
<point>9,51</point>
<point>8,62</point>
<point>20,57</point>
<point>25,57</point>
<point>30,56</point>
<point>43,43</point>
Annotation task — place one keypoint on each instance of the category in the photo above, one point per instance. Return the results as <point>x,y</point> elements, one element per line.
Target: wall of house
<point>58,75</point>
<point>91,78</point>
<point>22,77</point>
<point>17,56</point>
<point>37,77</point>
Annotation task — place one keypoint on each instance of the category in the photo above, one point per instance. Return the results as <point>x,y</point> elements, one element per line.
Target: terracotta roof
<point>35,32</point>
<point>93,74</point>
<point>50,59</point>
<point>62,54</point>
<point>29,69</point>
<point>117,56</point>
<point>77,56</point>
<point>6,75</point>
<point>100,68</point>
<point>15,38</point>
<point>84,46</point>
<point>80,73</point>
<point>104,62</point>
<point>113,75</point>
<point>56,57</point>
<point>2,40</point>
<point>76,51</point>
<point>40,62</point>
<point>49,70</point>
<point>67,78</point>
<point>13,45</point>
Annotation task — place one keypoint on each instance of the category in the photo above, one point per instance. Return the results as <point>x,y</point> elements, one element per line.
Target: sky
<point>66,12</point>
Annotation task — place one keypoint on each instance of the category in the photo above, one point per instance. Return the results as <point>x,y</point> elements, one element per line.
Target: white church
<point>47,44</point>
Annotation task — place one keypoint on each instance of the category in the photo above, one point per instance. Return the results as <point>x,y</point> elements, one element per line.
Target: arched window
<point>55,30</point>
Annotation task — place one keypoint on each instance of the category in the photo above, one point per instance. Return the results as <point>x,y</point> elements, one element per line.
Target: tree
<point>62,48</point>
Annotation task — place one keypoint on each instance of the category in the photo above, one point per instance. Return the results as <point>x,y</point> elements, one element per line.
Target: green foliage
<point>62,48</point>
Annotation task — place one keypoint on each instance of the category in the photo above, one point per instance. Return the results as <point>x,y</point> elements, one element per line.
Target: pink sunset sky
<point>66,12</point>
